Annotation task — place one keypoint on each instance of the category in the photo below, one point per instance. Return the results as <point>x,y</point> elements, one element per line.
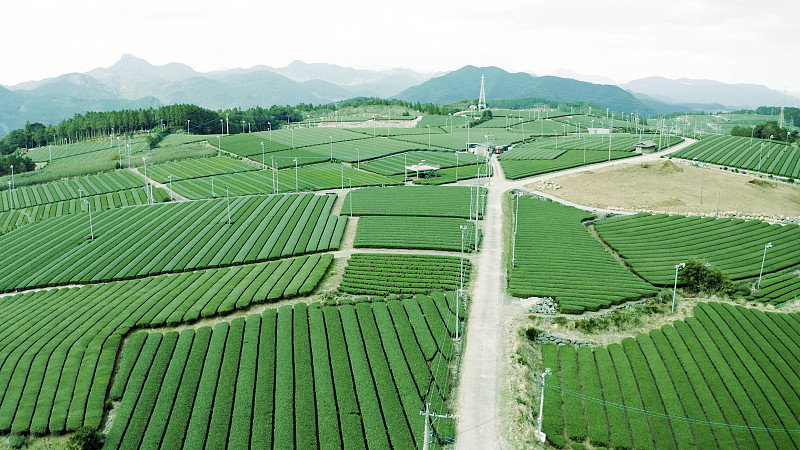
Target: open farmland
<point>59,350</point>
<point>149,240</point>
<point>384,274</point>
<point>128,197</point>
<point>522,168</point>
<point>288,325</point>
<point>250,382</point>
<point>314,177</point>
<point>725,378</point>
<point>653,244</point>
<point>76,188</point>
<point>758,155</point>
<point>575,269</point>
<point>440,233</point>
<point>195,168</point>
<point>86,151</point>
<point>414,201</point>
<point>396,164</point>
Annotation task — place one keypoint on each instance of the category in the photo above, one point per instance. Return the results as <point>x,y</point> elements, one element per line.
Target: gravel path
<point>477,398</point>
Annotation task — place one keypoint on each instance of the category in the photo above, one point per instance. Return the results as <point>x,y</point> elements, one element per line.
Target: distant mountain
<point>596,79</point>
<point>382,83</point>
<point>464,83</point>
<point>133,83</point>
<point>684,90</point>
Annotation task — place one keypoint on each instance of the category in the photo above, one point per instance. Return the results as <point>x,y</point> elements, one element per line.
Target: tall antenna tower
<point>482,98</point>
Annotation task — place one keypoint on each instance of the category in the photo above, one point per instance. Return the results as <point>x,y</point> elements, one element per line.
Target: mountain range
<point>134,83</point>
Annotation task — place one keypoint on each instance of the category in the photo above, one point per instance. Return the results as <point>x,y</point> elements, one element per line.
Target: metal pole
<point>342,176</point>
<point>296,185</point>
<point>769,245</point>
<point>461,286</point>
<point>91,226</point>
<point>702,180</point>
<point>350,183</point>
<point>539,433</point>
<point>675,286</point>
<point>228,202</point>
<point>331,138</point>
<point>514,237</point>
<point>719,189</point>
<point>263,161</point>
<point>456,167</point>
<point>10,198</point>
<point>212,187</point>
<point>170,188</point>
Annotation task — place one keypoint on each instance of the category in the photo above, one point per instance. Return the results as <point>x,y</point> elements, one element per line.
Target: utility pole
<point>428,414</point>
<point>539,435</point>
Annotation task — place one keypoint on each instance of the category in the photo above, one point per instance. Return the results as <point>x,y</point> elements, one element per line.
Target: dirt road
<point>477,399</point>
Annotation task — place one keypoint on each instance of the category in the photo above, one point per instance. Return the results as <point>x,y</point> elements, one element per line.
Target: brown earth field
<point>674,187</point>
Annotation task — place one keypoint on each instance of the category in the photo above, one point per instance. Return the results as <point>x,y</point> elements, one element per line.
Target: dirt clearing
<point>674,187</point>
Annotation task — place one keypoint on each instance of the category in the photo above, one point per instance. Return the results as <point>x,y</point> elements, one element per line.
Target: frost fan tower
<point>482,98</point>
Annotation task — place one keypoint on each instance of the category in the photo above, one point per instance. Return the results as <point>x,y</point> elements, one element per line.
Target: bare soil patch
<point>675,187</point>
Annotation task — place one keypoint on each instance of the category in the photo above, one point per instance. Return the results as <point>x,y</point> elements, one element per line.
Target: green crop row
<point>136,242</point>
<point>195,168</point>
<point>58,352</point>
<point>555,256</point>
<point>778,289</point>
<point>85,151</point>
<point>307,178</point>
<point>76,188</point>
<point>653,244</point>
<point>716,380</point>
<point>383,274</point>
<point>305,376</point>
<point>396,164</point>
<point>445,201</point>
<point>752,154</point>
<point>440,233</point>
<point>516,169</point>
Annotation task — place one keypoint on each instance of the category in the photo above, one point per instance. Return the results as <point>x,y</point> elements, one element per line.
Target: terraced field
<point>150,240</point>
<point>758,155</point>
<point>725,378</point>
<point>249,382</point>
<point>449,201</point>
<point>433,233</point>
<point>653,244</point>
<point>557,257</point>
<point>58,352</point>
<point>384,274</point>
<point>76,188</point>
<point>259,182</point>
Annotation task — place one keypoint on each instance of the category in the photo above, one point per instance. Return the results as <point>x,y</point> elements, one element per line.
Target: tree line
<point>765,131</point>
<point>174,118</point>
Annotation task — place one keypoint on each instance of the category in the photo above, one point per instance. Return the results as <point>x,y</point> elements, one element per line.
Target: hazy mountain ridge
<point>732,96</point>
<point>464,83</point>
<point>135,83</point>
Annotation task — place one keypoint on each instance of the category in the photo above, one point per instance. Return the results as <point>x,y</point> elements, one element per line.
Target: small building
<point>646,147</point>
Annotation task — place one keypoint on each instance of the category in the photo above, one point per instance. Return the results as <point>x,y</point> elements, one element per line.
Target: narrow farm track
<point>160,185</point>
<point>477,403</point>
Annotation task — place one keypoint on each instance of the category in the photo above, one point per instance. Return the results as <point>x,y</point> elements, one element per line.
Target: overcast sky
<point>733,41</point>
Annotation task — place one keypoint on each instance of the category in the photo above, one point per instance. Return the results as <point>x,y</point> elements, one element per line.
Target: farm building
<point>646,147</point>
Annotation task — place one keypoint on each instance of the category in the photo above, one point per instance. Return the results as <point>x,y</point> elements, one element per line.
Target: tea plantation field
<point>149,240</point>
<point>724,378</point>
<point>653,244</point>
<point>557,257</point>
<point>249,381</point>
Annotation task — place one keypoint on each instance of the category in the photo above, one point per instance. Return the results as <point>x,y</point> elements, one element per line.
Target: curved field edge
<point>58,353</point>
